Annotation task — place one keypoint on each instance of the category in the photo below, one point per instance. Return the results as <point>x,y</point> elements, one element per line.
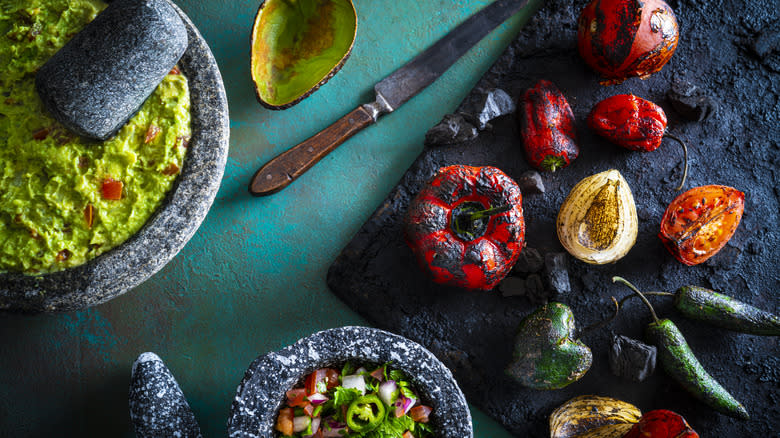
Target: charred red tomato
<point>699,222</point>
<point>633,123</point>
<point>547,127</point>
<point>661,423</point>
<point>466,226</point>
<point>625,38</point>
<point>629,121</point>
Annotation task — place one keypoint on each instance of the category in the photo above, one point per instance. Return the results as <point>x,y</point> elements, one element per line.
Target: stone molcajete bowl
<point>262,391</point>
<point>168,229</point>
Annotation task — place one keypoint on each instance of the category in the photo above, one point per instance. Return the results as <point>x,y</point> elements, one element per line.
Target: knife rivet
<point>351,121</point>
<point>310,150</point>
<point>269,177</point>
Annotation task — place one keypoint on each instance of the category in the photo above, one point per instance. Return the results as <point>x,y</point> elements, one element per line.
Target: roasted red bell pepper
<point>699,222</point>
<point>466,226</point>
<point>547,127</point>
<point>661,423</point>
<point>633,123</point>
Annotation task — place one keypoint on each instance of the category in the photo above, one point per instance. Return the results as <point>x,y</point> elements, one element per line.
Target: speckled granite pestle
<point>260,394</point>
<point>169,228</point>
<point>157,405</point>
<point>100,78</point>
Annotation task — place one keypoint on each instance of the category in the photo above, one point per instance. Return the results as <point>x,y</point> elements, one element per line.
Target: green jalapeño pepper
<point>365,414</point>
<point>678,361</point>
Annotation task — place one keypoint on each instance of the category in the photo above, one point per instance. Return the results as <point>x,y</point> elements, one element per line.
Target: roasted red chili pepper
<point>633,123</point>
<point>466,226</point>
<point>661,423</point>
<point>699,222</point>
<point>625,38</point>
<point>547,127</point>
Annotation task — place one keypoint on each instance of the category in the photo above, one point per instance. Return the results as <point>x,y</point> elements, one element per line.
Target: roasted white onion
<point>597,222</point>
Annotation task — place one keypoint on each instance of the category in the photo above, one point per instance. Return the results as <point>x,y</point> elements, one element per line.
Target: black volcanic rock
<point>101,77</point>
<point>631,359</point>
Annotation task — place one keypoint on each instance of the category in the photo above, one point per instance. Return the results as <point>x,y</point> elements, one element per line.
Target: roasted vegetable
<point>699,222</point>
<point>661,423</point>
<point>297,46</point>
<point>626,38</point>
<point>681,364</point>
<point>593,416</point>
<point>597,222</point>
<point>633,123</point>
<point>723,311</point>
<point>466,226</point>
<point>546,355</point>
<point>547,127</point>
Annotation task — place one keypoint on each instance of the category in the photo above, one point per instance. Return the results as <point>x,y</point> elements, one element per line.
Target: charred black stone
<point>530,261</point>
<point>453,128</point>
<point>101,77</point>
<point>690,102</point>
<point>631,359</point>
<point>534,290</point>
<point>494,103</point>
<point>157,405</point>
<point>767,42</point>
<point>512,287</point>
<point>556,273</point>
<point>530,182</point>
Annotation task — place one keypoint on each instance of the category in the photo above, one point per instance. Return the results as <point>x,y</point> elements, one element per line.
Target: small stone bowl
<point>168,229</point>
<point>262,391</point>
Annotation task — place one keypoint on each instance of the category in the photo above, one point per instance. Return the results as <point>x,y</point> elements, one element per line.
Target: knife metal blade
<point>391,92</point>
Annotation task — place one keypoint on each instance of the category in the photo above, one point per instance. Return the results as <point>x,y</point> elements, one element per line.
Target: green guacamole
<point>58,205</point>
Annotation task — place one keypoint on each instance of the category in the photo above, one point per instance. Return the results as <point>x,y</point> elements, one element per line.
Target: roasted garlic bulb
<point>597,222</point>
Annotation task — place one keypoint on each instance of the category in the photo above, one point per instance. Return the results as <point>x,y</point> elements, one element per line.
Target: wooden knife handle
<point>287,166</point>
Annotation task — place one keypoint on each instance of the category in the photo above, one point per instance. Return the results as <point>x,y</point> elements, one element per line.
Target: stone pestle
<point>100,78</point>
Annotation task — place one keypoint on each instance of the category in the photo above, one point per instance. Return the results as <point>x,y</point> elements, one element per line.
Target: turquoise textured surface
<point>252,279</point>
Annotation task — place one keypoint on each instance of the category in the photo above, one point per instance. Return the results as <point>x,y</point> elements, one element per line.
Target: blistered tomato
<point>699,222</point>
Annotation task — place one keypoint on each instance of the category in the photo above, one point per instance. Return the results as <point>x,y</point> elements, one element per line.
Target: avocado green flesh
<point>49,176</point>
<point>296,44</point>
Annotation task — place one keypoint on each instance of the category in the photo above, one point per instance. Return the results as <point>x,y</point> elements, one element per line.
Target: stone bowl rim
<point>183,208</point>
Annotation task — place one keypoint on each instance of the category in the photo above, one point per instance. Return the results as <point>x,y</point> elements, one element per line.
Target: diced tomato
<point>407,434</point>
<point>284,423</point>
<point>41,134</point>
<point>151,133</point>
<point>420,413</point>
<point>321,380</point>
<point>89,212</point>
<point>63,255</point>
<point>175,70</point>
<point>172,169</point>
<point>296,397</point>
<point>308,409</point>
<point>378,373</point>
<point>333,377</point>
<point>183,140</point>
<point>112,189</point>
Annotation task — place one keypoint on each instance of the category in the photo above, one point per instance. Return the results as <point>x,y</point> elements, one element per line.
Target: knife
<point>391,92</point>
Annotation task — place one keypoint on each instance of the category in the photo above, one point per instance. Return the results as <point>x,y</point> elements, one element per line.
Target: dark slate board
<point>472,332</point>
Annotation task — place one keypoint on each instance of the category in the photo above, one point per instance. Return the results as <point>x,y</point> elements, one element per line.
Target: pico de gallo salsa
<point>354,403</point>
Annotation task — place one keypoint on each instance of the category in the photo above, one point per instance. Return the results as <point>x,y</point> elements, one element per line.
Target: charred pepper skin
<point>479,262</point>
<point>629,121</point>
<point>547,127</point>
<point>681,364</point>
<point>620,39</point>
<point>724,311</point>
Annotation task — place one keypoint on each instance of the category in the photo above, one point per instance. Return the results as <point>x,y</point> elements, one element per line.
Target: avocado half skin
<point>546,355</point>
<point>298,46</point>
